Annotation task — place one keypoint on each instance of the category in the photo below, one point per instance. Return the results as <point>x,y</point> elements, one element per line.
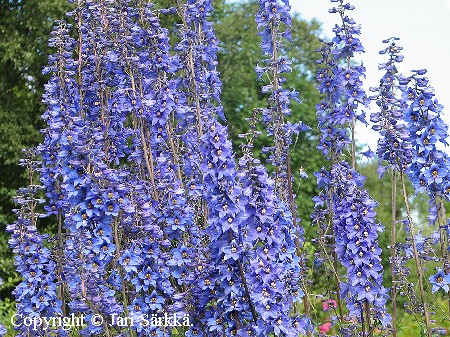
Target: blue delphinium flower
<point>440,281</point>
<point>274,22</point>
<point>225,219</point>
<point>36,295</point>
<point>356,240</point>
<point>268,199</point>
<point>273,266</point>
<point>166,263</point>
<point>394,146</point>
<point>109,179</point>
<point>210,172</point>
<point>428,171</point>
<point>343,197</point>
<point>91,151</point>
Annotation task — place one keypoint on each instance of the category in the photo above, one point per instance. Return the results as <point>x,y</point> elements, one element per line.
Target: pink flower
<point>328,304</point>
<point>324,328</point>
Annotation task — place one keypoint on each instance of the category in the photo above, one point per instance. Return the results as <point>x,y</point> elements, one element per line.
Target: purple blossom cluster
<point>115,179</point>
<point>394,145</point>
<point>422,114</point>
<point>154,214</point>
<point>211,170</point>
<point>36,295</point>
<point>140,178</point>
<point>273,266</point>
<point>356,240</point>
<point>239,275</point>
<point>340,81</point>
<point>405,128</point>
<point>412,128</point>
<point>344,211</point>
<point>274,22</point>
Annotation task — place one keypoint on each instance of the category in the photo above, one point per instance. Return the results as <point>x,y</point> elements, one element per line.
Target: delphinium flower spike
<point>165,263</point>
<point>60,95</point>
<point>395,152</point>
<point>394,147</point>
<point>274,23</point>
<point>429,169</point>
<point>222,279</point>
<point>356,239</point>
<point>350,231</point>
<point>430,166</point>
<point>36,295</point>
<point>272,264</point>
<point>61,173</point>
<point>428,172</point>
<point>92,154</point>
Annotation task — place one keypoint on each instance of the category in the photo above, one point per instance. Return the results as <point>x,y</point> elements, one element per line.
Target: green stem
<point>442,237</point>
<point>393,234</point>
<point>369,324</point>
<point>363,322</point>
<point>416,257</point>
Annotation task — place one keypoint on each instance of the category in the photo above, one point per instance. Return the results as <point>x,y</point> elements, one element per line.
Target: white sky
<point>423,27</point>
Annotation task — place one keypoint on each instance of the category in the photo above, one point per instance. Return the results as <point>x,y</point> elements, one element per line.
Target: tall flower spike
<point>212,176</point>
<point>350,208</point>
<point>93,152</point>
<point>394,146</point>
<point>356,240</point>
<point>395,149</point>
<point>429,170</point>
<point>36,295</point>
<point>272,267</point>
<point>430,165</point>
<point>341,83</point>
<point>165,265</point>
<point>401,147</point>
<point>273,22</point>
